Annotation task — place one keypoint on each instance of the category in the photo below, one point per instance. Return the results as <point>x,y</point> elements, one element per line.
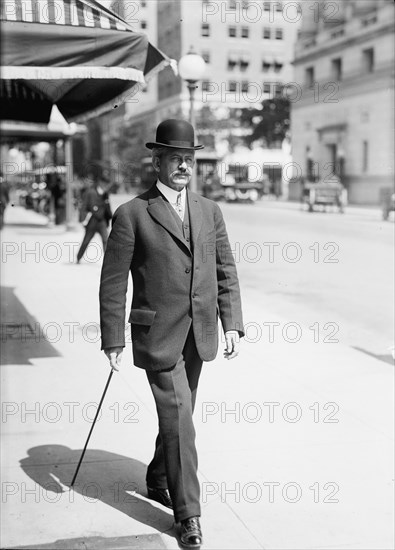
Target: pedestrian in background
<point>59,196</point>
<point>95,211</point>
<point>175,244</point>
<point>4,199</point>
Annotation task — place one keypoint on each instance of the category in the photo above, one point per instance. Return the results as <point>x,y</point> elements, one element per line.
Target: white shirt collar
<point>171,194</point>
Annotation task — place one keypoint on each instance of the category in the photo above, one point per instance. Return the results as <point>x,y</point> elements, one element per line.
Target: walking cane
<point>93,425</point>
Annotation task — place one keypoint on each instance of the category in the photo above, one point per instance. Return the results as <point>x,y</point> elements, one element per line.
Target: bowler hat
<point>176,134</point>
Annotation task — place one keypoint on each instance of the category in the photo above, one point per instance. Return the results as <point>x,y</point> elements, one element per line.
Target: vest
<point>185,231</point>
<point>184,226</point>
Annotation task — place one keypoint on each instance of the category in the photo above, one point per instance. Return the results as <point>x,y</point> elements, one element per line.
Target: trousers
<point>94,226</point>
<point>174,465</point>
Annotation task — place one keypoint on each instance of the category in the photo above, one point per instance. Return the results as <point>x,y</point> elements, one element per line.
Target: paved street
<point>295,436</point>
<point>340,269</point>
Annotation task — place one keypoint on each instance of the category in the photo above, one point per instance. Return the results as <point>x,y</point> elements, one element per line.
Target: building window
<point>370,20</point>
<point>206,56</point>
<point>365,156</point>
<point>277,66</point>
<point>279,6</point>
<point>267,87</point>
<point>232,86</point>
<point>245,32</point>
<point>267,33</point>
<point>244,86</point>
<point>279,34</point>
<point>266,66</point>
<point>205,29</point>
<point>309,164</point>
<point>309,77</point>
<point>368,60</point>
<point>266,6</point>
<point>143,24</point>
<point>205,85</point>
<point>244,62</point>
<point>278,89</point>
<point>232,4</point>
<point>337,34</point>
<point>336,68</point>
<point>232,32</point>
<point>232,62</point>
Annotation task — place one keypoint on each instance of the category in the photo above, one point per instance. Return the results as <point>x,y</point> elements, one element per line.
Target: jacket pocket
<point>141,317</point>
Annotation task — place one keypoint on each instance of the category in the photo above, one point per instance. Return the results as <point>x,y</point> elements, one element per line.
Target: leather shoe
<point>191,533</point>
<point>160,495</point>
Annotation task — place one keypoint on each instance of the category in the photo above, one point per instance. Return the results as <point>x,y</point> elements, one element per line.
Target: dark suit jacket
<point>98,205</point>
<point>172,285</point>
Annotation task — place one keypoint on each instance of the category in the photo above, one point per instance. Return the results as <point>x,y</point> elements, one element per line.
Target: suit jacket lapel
<point>195,217</point>
<point>160,212</point>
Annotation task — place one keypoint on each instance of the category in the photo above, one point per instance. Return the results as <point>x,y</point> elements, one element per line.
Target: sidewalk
<point>294,440</point>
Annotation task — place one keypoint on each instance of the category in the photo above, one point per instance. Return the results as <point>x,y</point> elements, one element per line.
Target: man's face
<point>174,168</point>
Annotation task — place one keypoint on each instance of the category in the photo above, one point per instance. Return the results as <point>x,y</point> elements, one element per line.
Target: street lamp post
<point>191,68</point>
<point>191,84</point>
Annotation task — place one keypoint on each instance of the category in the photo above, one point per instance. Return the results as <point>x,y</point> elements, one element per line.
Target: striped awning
<point>76,54</point>
<point>87,13</point>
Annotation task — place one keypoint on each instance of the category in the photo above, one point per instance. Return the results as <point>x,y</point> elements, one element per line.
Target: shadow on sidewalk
<point>386,358</point>
<point>22,338</point>
<point>26,225</point>
<point>141,542</point>
<point>111,478</point>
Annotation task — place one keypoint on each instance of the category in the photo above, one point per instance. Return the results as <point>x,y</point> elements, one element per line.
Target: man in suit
<point>175,244</point>
<point>95,212</point>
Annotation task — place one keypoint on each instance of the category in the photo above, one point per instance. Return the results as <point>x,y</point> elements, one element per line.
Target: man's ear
<point>156,164</point>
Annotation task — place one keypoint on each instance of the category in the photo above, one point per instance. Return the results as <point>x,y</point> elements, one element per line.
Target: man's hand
<point>232,339</point>
<point>86,220</point>
<point>115,357</point>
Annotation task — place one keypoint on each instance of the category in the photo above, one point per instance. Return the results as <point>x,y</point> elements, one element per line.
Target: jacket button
<point>187,270</point>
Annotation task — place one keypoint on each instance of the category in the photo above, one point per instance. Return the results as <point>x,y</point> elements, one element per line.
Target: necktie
<point>179,206</point>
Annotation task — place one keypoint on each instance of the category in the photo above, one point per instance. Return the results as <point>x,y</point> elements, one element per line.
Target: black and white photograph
<point>197,211</point>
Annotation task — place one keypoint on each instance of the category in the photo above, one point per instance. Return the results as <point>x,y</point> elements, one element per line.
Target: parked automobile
<point>324,194</point>
<point>387,199</point>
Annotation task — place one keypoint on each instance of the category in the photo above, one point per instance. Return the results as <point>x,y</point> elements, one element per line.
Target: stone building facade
<point>343,120</point>
<point>248,48</point>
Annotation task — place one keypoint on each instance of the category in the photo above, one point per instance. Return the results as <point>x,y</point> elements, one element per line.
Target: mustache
<point>187,172</point>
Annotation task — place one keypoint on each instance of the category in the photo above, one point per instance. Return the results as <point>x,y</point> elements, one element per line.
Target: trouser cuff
<point>187,512</point>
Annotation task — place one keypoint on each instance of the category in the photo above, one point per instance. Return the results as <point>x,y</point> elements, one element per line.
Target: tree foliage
<point>269,124</point>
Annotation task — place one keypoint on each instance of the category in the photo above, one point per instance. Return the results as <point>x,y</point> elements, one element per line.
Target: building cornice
<point>340,44</point>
